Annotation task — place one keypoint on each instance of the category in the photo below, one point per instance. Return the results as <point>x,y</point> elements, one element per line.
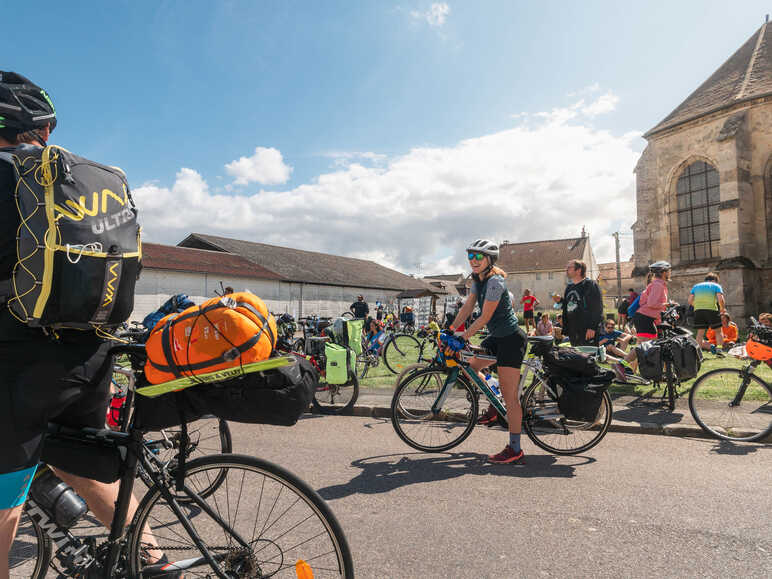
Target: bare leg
<point>509,380</point>
<point>9,521</point>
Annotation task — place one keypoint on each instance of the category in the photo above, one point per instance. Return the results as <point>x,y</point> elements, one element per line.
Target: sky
<point>397,132</point>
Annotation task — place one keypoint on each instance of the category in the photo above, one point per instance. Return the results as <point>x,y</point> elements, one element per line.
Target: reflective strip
<point>14,487</point>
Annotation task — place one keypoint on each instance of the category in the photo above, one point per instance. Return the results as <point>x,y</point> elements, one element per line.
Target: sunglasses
<point>476,256</point>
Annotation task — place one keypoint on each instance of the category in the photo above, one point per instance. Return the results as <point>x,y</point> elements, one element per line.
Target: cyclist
<point>63,376</point>
<point>359,308</point>
<point>505,338</point>
<point>707,298</point>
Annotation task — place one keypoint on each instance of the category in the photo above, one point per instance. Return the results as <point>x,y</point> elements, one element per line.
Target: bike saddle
<point>540,339</point>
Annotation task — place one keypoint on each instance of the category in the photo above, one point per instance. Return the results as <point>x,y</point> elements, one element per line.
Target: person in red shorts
<point>529,303</point>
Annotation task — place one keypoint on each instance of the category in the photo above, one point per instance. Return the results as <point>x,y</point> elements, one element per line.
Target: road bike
<point>436,408</point>
<point>263,521</point>
<point>735,403</point>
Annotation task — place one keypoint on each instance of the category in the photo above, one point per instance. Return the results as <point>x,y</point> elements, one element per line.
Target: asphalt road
<point>634,506</point>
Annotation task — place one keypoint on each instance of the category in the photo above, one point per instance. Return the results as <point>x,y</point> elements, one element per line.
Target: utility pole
<point>619,268</point>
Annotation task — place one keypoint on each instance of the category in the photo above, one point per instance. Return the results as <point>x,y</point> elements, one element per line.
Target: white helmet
<point>486,247</point>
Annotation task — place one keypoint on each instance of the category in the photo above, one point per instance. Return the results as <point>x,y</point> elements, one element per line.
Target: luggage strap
<point>178,370</point>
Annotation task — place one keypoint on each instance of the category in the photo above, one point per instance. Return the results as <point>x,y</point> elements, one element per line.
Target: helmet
<point>24,105</point>
<point>757,350</point>
<point>659,266</point>
<point>486,247</point>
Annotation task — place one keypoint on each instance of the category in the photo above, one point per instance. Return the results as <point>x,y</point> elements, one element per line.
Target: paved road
<point>635,506</point>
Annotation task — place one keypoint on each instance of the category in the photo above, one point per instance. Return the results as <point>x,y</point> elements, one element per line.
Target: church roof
<point>550,255</point>
<point>746,75</point>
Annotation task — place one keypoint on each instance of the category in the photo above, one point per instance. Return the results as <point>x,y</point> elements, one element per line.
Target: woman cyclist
<point>505,338</point>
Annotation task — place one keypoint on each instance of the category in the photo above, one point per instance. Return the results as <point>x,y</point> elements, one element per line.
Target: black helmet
<point>24,106</point>
<point>659,267</point>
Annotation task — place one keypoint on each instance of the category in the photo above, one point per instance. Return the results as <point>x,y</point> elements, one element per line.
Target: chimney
<point>584,233</point>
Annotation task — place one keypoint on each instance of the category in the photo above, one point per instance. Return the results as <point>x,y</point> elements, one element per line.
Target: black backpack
<point>78,247</point>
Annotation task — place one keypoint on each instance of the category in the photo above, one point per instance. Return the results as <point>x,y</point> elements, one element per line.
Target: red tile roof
<point>157,256</point>
<point>549,255</point>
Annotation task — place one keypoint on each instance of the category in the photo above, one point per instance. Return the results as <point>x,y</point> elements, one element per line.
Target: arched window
<point>698,199</point>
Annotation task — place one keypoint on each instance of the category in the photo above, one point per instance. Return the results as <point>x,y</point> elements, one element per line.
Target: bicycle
<point>441,402</point>
<point>284,529</point>
<point>401,350</point>
<point>735,404</point>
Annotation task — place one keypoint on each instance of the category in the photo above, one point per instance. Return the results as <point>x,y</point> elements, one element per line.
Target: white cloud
<point>589,89</point>
<point>346,158</point>
<point>266,167</point>
<point>435,16</point>
<point>542,179</point>
<point>605,103</point>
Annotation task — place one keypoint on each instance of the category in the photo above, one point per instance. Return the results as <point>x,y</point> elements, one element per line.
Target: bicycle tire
<point>277,499</point>
<point>670,386</point>
<point>336,398</point>
<point>411,414</point>
<point>551,431</point>
<point>401,350</point>
<point>22,562</point>
<point>362,366</point>
<point>206,435</point>
<point>711,408</point>
<point>347,315</point>
<point>298,346</point>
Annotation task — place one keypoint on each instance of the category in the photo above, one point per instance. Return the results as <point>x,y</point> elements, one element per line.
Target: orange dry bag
<point>221,333</point>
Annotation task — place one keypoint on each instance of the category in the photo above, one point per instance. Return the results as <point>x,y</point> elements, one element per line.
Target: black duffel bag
<point>276,396</point>
<point>570,363</point>
<point>580,397</point>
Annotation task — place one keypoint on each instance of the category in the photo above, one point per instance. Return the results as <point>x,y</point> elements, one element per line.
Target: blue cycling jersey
<point>14,487</point>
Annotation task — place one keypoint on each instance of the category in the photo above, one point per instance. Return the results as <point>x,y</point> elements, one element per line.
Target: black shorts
<point>528,314</point>
<point>644,326</point>
<point>509,350</point>
<point>704,319</point>
<point>66,382</point>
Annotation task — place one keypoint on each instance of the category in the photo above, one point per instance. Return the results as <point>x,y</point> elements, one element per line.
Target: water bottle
<point>58,499</point>
<point>493,384</point>
<point>115,410</point>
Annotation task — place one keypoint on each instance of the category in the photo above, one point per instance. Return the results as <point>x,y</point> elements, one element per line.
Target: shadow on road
<point>387,472</point>
<point>648,407</point>
<point>728,447</point>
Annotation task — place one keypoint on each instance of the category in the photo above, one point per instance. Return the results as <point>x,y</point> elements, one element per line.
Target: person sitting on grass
<point>615,341</point>
<point>544,327</point>
<point>728,332</point>
<point>375,336</point>
<point>557,328</point>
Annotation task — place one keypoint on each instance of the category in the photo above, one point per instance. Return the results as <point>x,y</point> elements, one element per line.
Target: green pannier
<point>340,362</point>
<point>354,333</point>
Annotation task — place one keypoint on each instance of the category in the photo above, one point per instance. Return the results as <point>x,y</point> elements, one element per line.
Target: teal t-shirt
<point>705,295</point>
<point>504,321</point>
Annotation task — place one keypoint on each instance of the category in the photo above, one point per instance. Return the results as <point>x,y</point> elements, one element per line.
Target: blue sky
<point>175,92</point>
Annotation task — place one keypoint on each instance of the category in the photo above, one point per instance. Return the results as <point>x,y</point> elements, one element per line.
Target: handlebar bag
<point>223,332</point>
<point>687,357</point>
<point>649,360</point>
<point>580,398</point>
<point>277,396</point>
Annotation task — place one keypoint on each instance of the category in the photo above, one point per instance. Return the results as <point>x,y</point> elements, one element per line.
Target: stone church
<point>704,184</point>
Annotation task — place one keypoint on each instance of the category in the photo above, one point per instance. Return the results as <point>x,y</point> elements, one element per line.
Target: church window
<point>697,197</point>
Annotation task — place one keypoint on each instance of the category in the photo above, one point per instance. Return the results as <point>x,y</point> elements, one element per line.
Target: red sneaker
<point>489,418</point>
<point>507,456</point>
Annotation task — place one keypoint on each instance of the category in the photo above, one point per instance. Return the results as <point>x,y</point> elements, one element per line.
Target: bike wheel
<point>400,351</point>
<point>421,428</point>
<point>298,346</point>
<point>713,405</point>
<point>363,365</point>
<point>273,523</point>
<point>546,426</point>
<point>336,398</point>
<point>347,315</point>
<point>30,552</point>
<point>670,387</point>
<point>207,436</point>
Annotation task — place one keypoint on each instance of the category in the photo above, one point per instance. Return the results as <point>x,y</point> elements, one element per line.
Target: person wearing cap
<point>506,341</point>
<point>359,308</point>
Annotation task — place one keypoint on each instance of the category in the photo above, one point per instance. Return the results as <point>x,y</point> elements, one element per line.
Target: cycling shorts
<point>645,326</point>
<point>66,382</point>
<point>704,319</point>
<point>509,350</point>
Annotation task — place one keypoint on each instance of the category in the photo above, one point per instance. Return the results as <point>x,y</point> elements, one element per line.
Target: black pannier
<point>580,398</point>
<point>687,357</point>
<point>315,345</point>
<point>277,397</point>
<point>569,362</point>
<point>649,360</point>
